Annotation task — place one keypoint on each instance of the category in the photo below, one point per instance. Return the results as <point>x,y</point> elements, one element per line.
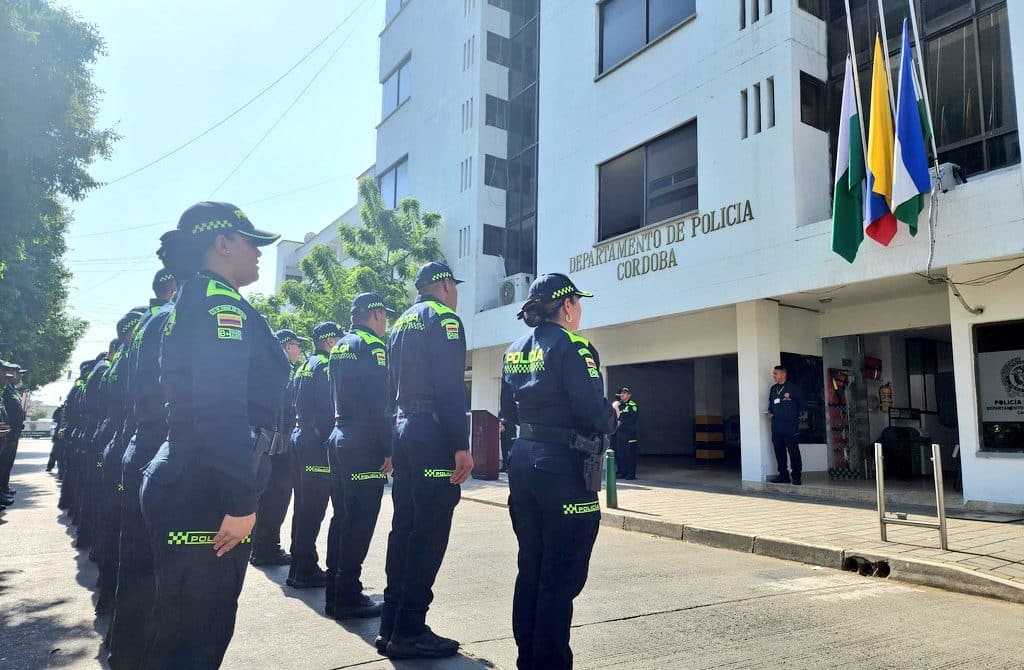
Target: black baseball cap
<point>546,288</point>
<point>369,302</point>
<point>326,329</point>
<point>207,216</point>
<point>624,389</point>
<point>161,279</point>
<point>286,335</point>
<point>127,322</point>
<point>434,272</point>
<point>86,365</point>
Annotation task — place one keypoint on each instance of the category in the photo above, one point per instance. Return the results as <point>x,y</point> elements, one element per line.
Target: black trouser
<point>783,443</point>
<point>7,460</point>
<point>506,439</point>
<point>273,506</point>
<point>69,473</point>
<point>312,491</point>
<point>196,592</point>
<point>357,486</point>
<point>424,501</point>
<point>54,454</point>
<point>109,528</point>
<point>556,522</point>
<point>131,628</point>
<point>625,455</point>
<point>89,493</point>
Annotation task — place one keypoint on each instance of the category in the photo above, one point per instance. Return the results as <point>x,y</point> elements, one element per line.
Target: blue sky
<point>175,68</point>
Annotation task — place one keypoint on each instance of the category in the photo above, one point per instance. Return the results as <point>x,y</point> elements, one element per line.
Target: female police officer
<point>552,387</point>
<point>223,373</point>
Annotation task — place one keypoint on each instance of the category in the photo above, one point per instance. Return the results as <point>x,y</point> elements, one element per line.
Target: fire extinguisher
<point>885,397</point>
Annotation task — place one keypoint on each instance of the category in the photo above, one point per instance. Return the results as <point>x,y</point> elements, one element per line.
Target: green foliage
<point>48,139</point>
<point>386,249</point>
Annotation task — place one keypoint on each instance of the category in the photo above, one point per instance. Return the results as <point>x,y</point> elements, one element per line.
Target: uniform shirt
<point>222,372</point>
<point>552,377</point>
<point>314,409</point>
<point>785,404</point>
<point>131,364</point>
<point>147,396</point>
<point>427,355</point>
<point>73,406</point>
<point>115,396</point>
<point>359,382</point>
<point>629,415</point>
<point>93,399</point>
<point>287,420</point>
<point>15,412</point>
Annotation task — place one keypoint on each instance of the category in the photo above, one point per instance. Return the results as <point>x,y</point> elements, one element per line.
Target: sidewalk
<point>984,558</point>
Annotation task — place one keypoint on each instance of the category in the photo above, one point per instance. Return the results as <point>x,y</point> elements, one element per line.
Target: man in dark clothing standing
<point>785,402</point>
<point>16,422</point>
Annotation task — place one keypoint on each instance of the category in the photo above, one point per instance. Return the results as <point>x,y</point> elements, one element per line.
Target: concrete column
<point>758,346</point>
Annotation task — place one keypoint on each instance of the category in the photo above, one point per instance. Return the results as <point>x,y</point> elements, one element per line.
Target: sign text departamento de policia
<point>642,252</point>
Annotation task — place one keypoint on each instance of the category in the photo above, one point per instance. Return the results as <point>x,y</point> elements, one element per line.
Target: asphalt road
<point>649,603</point>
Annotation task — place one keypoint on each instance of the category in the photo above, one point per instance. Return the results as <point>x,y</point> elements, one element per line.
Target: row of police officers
<point>179,447</point>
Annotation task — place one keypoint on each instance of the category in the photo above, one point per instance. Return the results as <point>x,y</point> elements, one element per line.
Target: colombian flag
<point>879,222</point>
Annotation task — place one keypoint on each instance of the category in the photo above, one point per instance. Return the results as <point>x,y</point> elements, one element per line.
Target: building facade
<point>675,156</point>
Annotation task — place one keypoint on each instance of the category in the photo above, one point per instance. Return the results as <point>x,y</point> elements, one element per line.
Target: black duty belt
<point>417,405</point>
<point>550,434</point>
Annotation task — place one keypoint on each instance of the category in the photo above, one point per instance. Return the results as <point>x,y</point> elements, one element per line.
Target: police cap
<point>161,279</point>
<point>546,288</point>
<point>368,302</point>
<point>286,335</point>
<point>624,389</point>
<point>325,330</point>
<point>204,217</point>
<point>434,272</point>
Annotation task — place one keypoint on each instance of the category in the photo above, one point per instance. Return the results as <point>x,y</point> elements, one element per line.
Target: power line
<point>287,109</point>
<point>238,110</point>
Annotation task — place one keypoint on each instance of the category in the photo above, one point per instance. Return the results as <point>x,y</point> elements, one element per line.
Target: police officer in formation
<point>359,452</point>
<point>626,434</point>
<point>314,420</point>
<point>14,419</point>
<point>552,388</point>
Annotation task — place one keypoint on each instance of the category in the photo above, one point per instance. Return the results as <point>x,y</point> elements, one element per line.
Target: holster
<point>592,450</point>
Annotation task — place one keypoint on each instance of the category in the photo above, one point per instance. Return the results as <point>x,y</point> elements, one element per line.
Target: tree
<point>386,250</point>
<point>48,139</point>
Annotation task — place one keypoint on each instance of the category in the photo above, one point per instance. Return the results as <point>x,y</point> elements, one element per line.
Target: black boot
<point>424,645</point>
<point>360,607</point>
<point>781,478</point>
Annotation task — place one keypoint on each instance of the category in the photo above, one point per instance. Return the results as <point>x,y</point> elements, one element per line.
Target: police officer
<point>66,433</point>
<point>785,403</point>
<point>16,423</point>
<point>360,453</point>
<point>131,626</point>
<point>58,414</point>
<point>626,434</point>
<point>314,415</point>
<point>273,503</point>
<point>222,373</point>
<point>92,431</point>
<point>552,387</point>
<point>427,355</point>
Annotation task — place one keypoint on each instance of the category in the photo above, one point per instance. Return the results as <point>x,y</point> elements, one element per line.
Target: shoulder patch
<point>451,328</point>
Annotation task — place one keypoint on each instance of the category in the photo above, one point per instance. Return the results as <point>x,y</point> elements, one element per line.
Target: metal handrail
<point>940,498</point>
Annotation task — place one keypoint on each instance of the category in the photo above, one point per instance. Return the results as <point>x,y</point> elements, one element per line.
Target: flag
<point>910,176</point>
<point>847,198</point>
<point>879,223</point>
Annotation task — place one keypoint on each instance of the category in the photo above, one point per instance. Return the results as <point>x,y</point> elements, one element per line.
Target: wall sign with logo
<point>653,249</point>
<point>1001,386</point>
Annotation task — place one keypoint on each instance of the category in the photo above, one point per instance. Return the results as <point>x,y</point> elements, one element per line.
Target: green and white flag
<point>848,197</point>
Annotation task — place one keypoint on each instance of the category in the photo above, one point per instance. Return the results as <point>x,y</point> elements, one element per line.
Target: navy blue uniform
<point>132,625</point>
<point>785,404</point>
<point>314,422</point>
<point>222,372</point>
<point>16,420</point>
<point>427,362</point>
<point>358,446</point>
<point>93,430</point>
<point>68,453</point>
<point>626,436</point>
<point>551,380</point>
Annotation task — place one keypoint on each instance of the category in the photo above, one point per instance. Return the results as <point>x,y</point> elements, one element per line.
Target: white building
<point>674,156</point>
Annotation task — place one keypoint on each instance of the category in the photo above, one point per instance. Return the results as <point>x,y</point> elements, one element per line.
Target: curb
<point>920,572</point>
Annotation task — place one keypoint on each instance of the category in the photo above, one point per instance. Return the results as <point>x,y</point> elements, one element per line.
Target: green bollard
<point>609,480</point>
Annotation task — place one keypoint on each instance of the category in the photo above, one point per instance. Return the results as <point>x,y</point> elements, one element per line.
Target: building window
<point>467,114</point>
<point>392,7</point>
<point>495,172</point>
<point>468,6</point>
<point>496,112</point>
<point>396,88</point>
<point>812,102</point>
<point>628,25</point>
<point>756,105</point>
<point>814,7</point>
<point>466,174</point>
<point>968,69</point>
<point>494,240</point>
<point>744,114</point>
<point>497,49</point>
<point>469,52</point>
<point>743,14</point>
<point>501,4</point>
<point>394,183</point>
<point>999,361</point>
<point>465,243</point>
<point>770,102</point>
<point>649,184</point>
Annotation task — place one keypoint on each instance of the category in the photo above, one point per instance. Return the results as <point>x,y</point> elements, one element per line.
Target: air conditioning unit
<point>514,289</point>
<point>949,175</point>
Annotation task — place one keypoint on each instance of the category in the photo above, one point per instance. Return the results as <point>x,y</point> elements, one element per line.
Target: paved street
<point>650,603</point>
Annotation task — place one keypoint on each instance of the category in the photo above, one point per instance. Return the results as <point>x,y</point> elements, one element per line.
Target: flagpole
<point>885,52</point>
<point>856,80</point>
<point>924,83</point>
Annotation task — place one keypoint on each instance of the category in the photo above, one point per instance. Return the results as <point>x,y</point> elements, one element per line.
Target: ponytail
<point>180,254</point>
<point>535,312</point>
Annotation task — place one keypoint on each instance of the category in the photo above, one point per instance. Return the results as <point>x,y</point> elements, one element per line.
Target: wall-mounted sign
<point>1001,386</point>
<point>653,249</point>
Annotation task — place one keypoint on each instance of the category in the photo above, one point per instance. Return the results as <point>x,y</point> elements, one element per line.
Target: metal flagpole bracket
<point>900,519</point>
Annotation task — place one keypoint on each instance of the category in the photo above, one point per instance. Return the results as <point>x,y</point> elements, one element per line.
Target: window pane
<point>389,99</point>
<point>621,199</point>
<point>387,189</point>
<point>404,82</point>
<point>528,180</point>
<point>970,158</point>
<point>996,70</point>
<point>895,12</point>
<point>495,173</point>
<point>520,12</point>
<point>529,120</point>
<point>401,181</point>
<point>622,30</point>
<point>672,174</point>
<point>665,14</point>
<point>1003,151</point>
<point>937,14</point>
<point>497,48</point>
<point>812,102</point>
<point>527,245</point>
<point>953,85</point>
<point>496,113</point>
